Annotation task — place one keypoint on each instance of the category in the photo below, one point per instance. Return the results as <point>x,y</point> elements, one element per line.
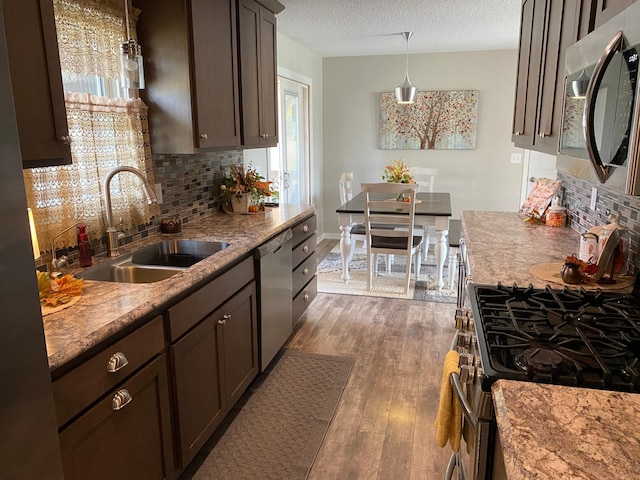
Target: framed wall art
<point>438,120</point>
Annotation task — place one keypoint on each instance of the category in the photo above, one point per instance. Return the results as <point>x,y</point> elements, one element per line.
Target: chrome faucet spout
<point>112,232</point>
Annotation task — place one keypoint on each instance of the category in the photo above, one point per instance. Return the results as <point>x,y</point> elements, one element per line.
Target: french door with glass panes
<point>289,161</point>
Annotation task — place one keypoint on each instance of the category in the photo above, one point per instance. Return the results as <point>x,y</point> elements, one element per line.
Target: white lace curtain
<point>106,129</point>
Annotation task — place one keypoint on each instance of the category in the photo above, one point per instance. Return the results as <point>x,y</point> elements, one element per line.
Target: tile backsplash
<point>190,190</point>
<point>577,198</point>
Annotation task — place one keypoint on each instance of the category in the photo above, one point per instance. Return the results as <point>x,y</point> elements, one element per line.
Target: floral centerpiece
<point>398,172</point>
<point>245,190</point>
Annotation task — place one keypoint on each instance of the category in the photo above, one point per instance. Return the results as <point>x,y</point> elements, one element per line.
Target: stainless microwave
<point>599,138</point>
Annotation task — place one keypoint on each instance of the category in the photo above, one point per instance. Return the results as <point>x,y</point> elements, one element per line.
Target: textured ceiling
<point>336,28</point>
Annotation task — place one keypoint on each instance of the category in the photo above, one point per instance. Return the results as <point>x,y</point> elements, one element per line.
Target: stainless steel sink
<point>154,262</point>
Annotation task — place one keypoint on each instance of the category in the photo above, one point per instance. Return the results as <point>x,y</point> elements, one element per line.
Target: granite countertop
<point>106,308</point>
<point>552,432</point>
<point>502,247</point>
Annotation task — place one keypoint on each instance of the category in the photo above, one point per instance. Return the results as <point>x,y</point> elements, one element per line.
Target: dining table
<point>432,208</point>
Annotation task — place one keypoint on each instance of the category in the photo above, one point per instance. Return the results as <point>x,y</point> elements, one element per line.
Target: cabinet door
<point>133,442</point>
<point>607,9</point>
<point>215,67</point>
<point>198,387</point>
<point>258,74</point>
<point>563,20</point>
<point>532,30</point>
<point>34,64</point>
<point>240,342</point>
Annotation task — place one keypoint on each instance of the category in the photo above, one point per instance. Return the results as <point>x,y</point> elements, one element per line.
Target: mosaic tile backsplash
<point>190,189</point>
<point>577,198</point>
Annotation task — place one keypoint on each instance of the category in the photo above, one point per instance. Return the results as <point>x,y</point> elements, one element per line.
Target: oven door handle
<point>466,408</point>
<point>616,44</point>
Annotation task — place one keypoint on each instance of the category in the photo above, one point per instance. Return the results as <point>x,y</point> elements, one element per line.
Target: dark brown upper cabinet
<point>191,68</point>
<point>36,81</point>
<point>548,27</point>
<point>257,34</point>
<point>607,9</point>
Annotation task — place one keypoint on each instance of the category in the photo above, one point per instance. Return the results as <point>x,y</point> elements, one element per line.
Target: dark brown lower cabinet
<point>213,364</point>
<point>132,442</point>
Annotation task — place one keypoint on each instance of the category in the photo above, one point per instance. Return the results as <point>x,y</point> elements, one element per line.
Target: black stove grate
<point>567,337</point>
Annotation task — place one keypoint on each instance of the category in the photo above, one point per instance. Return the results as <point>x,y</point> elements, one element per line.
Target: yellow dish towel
<point>449,418</point>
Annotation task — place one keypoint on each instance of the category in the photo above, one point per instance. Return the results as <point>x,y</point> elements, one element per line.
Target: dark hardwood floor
<point>383,428</point>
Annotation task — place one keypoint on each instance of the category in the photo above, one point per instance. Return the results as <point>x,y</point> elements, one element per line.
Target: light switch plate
<point>594,197</point>
<point>516,158</point>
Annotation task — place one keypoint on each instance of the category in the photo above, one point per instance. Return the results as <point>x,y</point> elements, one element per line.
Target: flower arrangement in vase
<point>398,172</point>
<point>245,190</point>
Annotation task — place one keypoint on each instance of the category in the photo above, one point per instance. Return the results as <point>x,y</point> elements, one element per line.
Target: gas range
<point>576,338</point>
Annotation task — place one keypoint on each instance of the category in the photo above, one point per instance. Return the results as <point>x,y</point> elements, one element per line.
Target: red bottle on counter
<point>84,246</point>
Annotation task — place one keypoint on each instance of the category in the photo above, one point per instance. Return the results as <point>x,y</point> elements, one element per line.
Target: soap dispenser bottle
<point>84,246</point>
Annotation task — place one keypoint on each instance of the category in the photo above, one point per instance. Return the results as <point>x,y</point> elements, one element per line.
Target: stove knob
<point>464,340</point>
<point>467,374</point>
<point>465,359</point>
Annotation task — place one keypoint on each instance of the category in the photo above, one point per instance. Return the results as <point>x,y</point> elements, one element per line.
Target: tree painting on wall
<point>438,120</point>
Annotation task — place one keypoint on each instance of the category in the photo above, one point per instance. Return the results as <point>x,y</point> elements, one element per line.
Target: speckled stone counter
<point>552,432</point>
<point>107,308</point>
<point>502,247</point>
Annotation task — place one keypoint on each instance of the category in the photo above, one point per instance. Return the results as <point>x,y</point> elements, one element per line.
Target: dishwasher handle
<point>274,245</point>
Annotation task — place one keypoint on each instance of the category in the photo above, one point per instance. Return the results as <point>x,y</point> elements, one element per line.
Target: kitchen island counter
<point>106,309</point>
<point>551,431</point>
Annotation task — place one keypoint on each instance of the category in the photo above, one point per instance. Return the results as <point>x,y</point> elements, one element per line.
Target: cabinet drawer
<point>303,273</point>
<point>304,229</point>
<point>126,435</point>
<point>304,299</point>
<point>198,305</point>
<point>302,251</point>
<point>76,390</point>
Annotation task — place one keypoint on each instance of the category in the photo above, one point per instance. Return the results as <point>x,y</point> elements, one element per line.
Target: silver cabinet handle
<point>121,399</point>
<point>117,362</point>
<point>517,134</point>
<point>224,319</point>
<point>305,248</point>
<point>306,297</point>
<point>305,228</point>
<point>544,134</point>
<point>305,271</point>
<point>204,136</point>
<point>66,139</point>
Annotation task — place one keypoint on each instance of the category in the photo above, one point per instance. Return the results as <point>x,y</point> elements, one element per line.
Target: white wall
<point>302,61</point>
<point>479,179</point>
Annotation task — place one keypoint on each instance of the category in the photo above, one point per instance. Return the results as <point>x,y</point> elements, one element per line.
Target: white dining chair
<point>425,178</point>
<point>389,226</point>
<point>358,233</point>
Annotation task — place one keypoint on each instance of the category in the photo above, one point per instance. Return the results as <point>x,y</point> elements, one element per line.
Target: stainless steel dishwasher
<point>273,264</point>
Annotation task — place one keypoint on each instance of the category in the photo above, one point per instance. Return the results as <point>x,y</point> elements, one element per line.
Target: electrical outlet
<point>158,189</point>
<point>516,158</point>
<point>594,197</point>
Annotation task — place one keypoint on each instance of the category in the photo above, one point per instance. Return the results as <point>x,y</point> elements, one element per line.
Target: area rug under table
<point>385,284</point>
<point>278,432</point>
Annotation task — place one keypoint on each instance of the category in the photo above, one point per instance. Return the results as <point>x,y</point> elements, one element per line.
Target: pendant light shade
<point>131,68</point>
<point>406,92</point>
<point>579,85</point>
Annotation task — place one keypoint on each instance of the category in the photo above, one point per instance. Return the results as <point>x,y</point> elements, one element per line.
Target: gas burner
<point>540,360</point>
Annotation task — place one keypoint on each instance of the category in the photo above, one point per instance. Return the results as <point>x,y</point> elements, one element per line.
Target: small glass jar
<point>556,216</point>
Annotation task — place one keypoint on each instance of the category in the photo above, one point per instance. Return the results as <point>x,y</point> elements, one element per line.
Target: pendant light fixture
<point>131,69</point>
<point>406,92</point>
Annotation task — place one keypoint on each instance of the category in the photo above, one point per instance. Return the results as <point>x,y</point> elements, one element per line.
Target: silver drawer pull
<point>305,271</point>
<point>306,297</point>
<point>305,248</point>
<point>66,139</point>
<point>204,136</point>
<point>121,399</point>
<point>305,228</point>
<point>117,362</point>
<point>224,319</point>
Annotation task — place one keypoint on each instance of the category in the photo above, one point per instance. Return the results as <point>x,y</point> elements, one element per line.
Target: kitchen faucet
<point>113,236</point>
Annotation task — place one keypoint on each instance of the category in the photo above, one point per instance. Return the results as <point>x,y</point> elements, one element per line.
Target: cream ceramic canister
<point>589,247</point>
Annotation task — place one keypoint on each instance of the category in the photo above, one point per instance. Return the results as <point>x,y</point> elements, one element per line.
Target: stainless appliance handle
<point>466,408</point>
<point>616,43</point>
